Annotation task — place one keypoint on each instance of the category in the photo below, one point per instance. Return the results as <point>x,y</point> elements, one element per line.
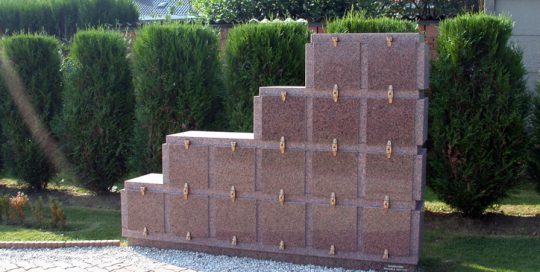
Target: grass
<point>524,201</point>
<point>449,252</point>
<point>83,224</point>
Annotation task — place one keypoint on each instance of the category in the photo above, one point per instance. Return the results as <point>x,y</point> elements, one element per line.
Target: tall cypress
<point>36,61</point>
<point>97,118</point>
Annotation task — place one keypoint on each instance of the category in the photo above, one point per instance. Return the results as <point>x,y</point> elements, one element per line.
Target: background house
<point>159,10</point>
<point>526,32</point>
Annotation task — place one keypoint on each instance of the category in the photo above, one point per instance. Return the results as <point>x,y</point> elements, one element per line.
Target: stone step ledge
<point>58,244</point>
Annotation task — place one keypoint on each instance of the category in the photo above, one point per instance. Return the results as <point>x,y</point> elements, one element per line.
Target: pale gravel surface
<point>137,259</point>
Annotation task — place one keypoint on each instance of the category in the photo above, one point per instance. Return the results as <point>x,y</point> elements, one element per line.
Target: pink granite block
<point>285,223</point>
<point>386,230</point>
<point>391,122</point>
<point>145,211</point>
<point>188,166</point>
<point>339,65</point>
<point>238,218</point>
<point>336,120</point>
<point>287,119</point>
<point>236,169</point>
<point>335,226</point>
<point>420,175</point>
<point>283,171</point>
<point>389,177</point>
<point>257,117</point>
<point>422,66</point>
<point>335,174</point>
<point>395,65</point>
<point>187,215</point>
<point>309,66</point>
<point>421,126</point>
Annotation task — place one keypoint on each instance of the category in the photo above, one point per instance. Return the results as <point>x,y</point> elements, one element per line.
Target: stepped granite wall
<point>332,175</point>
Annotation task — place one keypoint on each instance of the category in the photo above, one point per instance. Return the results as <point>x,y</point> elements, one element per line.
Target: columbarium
<point>332,175</point>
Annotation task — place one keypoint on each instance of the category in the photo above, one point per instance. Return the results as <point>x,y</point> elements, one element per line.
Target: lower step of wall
<point>283,257</point>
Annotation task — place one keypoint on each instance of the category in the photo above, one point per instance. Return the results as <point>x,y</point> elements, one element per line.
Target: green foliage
<point>176,79</point>
<point>97,118</point>
<point>4,207</point>
<point>58,217</point>
<point>61,17</point>
<point>36,60</point>
<point>260,54</point>
<point>356,22</point>
<point>534,156</point>
<point>478,112</point>
<point>232,11</point>
<point>38,209</point>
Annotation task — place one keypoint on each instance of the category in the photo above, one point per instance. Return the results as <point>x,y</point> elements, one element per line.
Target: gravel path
<point>136,259</point>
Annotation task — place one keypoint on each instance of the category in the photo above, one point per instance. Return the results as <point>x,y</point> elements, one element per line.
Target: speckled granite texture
<point>307,199</point>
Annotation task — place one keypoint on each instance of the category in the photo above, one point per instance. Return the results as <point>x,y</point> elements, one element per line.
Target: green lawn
<point>83,224</point>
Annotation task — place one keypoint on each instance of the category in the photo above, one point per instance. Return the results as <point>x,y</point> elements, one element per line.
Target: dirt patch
<point>489,224</point>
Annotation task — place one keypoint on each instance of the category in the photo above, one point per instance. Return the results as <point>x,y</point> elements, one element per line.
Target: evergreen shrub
<point>534,156</point>
<point>260,54</point>
<point>97,119</point>
<point>478,113</point>
<point>356,22</point>
<point>36,60</point>
<point>177,81</point>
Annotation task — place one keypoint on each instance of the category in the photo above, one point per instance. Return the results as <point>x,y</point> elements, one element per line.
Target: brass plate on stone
<point>186,191</point>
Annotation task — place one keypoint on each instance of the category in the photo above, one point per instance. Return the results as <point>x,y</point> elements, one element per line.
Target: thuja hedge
<point>534,157</point>
<point>260,54</point>
<point>97,118</point>
<point>62,17</point>
<point>36,60</point>
<point>478,111</point>
<point>355,22</point>
<point>177,79</point>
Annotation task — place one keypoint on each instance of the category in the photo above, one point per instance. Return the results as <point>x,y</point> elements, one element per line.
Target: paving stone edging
<point>58,244</point>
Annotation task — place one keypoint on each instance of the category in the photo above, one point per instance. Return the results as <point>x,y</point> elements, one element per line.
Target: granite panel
<point>389,177</point>
<point>391,122</point>
<point>285,223</point>
<point>187,215</point>
<point>335,226</point>
<point>238,219</point>
<point>395,65</point>
<point>286,119</point>
<point>336,120</point>
<point>283,171</point>
<point>145,211</point>
<point>188,166</point>
<point>335,174</point>
<point>386,230</point>
<point>339,65</point>
<point>236,168</point>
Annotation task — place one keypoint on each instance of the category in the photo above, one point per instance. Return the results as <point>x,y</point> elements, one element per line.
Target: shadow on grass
<point>449,252</point>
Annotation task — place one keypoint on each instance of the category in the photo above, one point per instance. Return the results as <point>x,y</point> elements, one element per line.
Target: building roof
<point>155,10</point>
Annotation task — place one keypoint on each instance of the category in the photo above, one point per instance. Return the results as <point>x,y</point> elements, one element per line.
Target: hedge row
<point>62,18</point>
<point>235,11</point>
<point>36,60</point>
<point>177,80</point>
<point>356,22</point>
